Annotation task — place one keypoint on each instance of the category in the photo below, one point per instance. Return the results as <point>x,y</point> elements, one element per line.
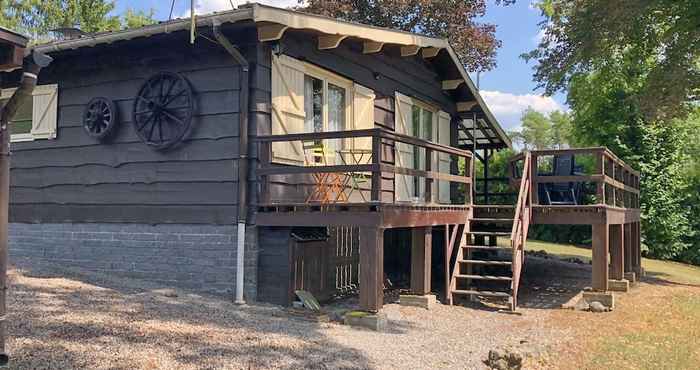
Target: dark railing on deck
<point>607,180</point>
<point>381,168</point>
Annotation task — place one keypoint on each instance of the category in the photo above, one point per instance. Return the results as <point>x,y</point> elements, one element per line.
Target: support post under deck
<point>627,235</point>
<point>617,255</point>
<point>371,268</point>
<point>636,249</point>
<point>421,253</point>
<point>600,237</point>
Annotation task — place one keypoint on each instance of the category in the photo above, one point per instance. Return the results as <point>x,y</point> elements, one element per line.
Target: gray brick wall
<point>198,257</point>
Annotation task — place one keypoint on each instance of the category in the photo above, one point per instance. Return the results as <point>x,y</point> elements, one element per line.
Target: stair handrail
<point>521,222</point>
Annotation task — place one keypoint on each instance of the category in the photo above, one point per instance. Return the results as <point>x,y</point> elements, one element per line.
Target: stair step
<point>484,277</point>
<point>490,233</point>
<point>488,247</point>
<point>504,206</point>
<point>486,293</point>
<point>486,262</point>
<point>487,219</point>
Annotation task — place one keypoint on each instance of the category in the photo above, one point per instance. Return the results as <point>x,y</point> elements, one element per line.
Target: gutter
<point>237,15</point>
<point>243,161</point>
<point>33,63</point>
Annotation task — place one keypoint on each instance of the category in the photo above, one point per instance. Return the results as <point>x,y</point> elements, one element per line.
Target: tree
<point>606,111</point>
<point>133,19</point>
<point>583,36</point>
<point>474,42</point>
<point>540,132</point>
<point>561,129</point>
<point>37,18</point>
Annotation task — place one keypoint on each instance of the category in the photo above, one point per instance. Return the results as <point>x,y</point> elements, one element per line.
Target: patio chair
<point>562,193</point>
<point>327,187</point>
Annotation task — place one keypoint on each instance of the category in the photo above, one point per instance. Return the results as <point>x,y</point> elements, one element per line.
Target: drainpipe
<point>30,70</point>
<point>243,157</point>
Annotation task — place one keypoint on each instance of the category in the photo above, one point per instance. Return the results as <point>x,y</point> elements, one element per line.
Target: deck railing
<point>598,177</point>
<point>332,162</point>
<point>521,224</point>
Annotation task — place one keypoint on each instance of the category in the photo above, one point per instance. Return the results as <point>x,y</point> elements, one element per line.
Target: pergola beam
<point>451,84</point>
<point>430,52</point>
<point>409,50</point>
<point>465,106</point>
<point>271,32</point>
<point>326,42</point>
<point>371,47</point>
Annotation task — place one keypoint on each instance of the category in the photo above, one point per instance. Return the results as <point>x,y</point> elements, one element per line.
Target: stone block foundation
<point>619,285</point>
<point>422,301</point>
<point>197,257</point>
<point>607,299</point>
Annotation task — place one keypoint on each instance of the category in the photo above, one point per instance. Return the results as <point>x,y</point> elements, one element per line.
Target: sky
<point>508,89</point>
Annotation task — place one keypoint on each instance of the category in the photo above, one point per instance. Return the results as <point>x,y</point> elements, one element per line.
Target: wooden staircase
<point>485,267</point>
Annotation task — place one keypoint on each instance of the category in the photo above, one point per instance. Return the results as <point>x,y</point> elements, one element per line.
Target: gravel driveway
<point>97,322</point>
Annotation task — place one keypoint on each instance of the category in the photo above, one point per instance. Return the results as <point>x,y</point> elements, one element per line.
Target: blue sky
<point>508,89</point>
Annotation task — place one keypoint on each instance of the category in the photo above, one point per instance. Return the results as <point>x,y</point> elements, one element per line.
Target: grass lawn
<point>666,270</point>
<point>656,326</point>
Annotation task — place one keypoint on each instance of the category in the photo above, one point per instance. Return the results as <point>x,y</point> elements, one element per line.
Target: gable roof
<point>273,22</point>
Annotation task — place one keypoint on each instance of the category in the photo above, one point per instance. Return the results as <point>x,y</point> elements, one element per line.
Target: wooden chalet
<point>284,151</point>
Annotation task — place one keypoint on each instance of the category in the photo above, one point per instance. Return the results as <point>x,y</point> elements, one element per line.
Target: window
<point>36,118</point>
<point>307,98</point>
<point>422,128</point>
<point>422,120</point>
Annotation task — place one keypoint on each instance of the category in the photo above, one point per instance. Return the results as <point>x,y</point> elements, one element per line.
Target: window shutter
<point>44,112</point>
<point>403,184</point>
<point>443,136</point>
<point>287,108</point>
<point>363,114</point>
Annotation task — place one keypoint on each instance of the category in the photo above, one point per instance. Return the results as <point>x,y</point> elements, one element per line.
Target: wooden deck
<point>609,201</point>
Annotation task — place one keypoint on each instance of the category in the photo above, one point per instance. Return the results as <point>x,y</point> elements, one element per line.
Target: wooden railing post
<point>376,161</point>
<point>600,169</point>
<point>428,180</point>
<point>534,186</point>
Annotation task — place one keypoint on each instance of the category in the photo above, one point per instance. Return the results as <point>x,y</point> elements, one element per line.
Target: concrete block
<point>607,299</point>
<point>423,301</point>
<point>631,277</point>
<point>376,322</point>
<point>619,285</point>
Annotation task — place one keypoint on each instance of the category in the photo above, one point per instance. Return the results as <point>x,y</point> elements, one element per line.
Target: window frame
<point>330,78</point>
<point>38,90</point>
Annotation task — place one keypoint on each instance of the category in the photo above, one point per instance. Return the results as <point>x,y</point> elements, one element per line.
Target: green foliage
<point>692,254</point>
<point>475,43</point>
<point>632,70</point>
<point>665,217</point>
<point>543,132</point>
<point>134,19</point>
<point>580,37</point>
<point>37,17</point>
<point>606,111</point>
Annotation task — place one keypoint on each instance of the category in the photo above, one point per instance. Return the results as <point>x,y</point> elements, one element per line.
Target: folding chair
<point>326,184</point>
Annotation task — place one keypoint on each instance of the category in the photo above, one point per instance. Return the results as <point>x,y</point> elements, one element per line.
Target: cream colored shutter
<point>363,114</point>
<point>403,184</point>
<point>443,137</point>
<point>287,108</point>
<point>44,111</point>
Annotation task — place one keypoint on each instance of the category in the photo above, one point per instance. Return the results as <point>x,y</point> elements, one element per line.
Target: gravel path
<point>98,322</point>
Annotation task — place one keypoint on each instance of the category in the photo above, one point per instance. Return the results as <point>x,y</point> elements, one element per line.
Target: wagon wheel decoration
<point>100,118</point>
<point>163,110</point>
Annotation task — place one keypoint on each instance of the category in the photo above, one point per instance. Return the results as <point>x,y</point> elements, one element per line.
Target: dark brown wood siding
<point>77,179</point>
<point>385,73</point>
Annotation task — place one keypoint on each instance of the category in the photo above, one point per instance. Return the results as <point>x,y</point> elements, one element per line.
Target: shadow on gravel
<point>547,283</point>
<point>58,323</point>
